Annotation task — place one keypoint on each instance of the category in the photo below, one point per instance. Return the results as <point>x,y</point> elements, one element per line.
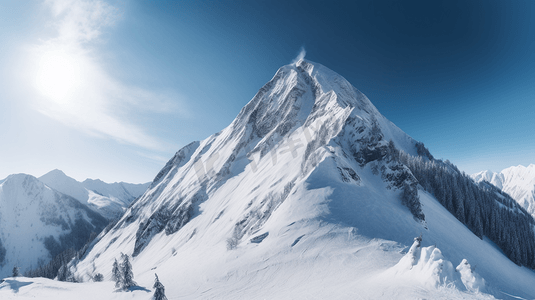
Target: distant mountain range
<point>38,222</point>
<point>108,199</point>
<point>517,181</point>
<point>39,218</point>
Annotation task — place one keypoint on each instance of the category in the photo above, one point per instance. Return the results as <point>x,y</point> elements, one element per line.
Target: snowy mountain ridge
<point>517,181</point>
<point>304,195</point>
<point>108,199</point>
<point>37,223</point>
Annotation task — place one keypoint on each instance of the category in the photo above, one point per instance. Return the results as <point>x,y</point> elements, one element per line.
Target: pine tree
<point>478,226</point>
<point>127,272</point>
<point>458,200</point>
<point>116,274</point>
<point>65,274</point>
<point>98,277</point>
<point>409,198</point>
<point>16,271</point>
<point>159,289</point>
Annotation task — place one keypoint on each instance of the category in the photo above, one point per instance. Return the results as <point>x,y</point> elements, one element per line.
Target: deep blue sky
<point>456,75</point>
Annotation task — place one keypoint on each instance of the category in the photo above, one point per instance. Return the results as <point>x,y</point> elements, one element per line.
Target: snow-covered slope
<point>518,182</point>
<point>108,199</point>
<point>299,197</point>
<point>37,222</point>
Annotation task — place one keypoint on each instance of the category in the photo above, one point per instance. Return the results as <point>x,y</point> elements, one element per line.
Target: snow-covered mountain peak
<point>306,99</point>
<point>304,87</point>
<point>56,173</point>
<point>94,181</point>
<point>520,168</point>
<point>58,180</point>
<point>17,178</point>
<point>22,183</point>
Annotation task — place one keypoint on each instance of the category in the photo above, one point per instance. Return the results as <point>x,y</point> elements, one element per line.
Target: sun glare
<point>58,76</point>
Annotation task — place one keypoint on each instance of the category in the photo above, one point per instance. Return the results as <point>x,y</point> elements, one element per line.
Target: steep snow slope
<point>518,182</point>
<point>37,222</point>
<point>297,198</point>
<point>108,199</point>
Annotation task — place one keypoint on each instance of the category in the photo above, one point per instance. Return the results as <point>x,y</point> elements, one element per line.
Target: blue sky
<point>111,89</point>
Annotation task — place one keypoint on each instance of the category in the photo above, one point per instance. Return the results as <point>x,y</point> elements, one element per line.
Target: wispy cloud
<point>77,89</point>
<point>301,55</point>
<point>81,20</point>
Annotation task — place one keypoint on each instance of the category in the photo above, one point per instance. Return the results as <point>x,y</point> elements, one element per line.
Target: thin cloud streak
<point>81,21</point>
<point>92,101</point>
<point>301,55</point>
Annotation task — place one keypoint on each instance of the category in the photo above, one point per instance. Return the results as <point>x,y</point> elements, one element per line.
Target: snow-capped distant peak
<point>517,181</point>
<point>59,181</point>
<point>37,222</point>
<point>108,199</point>
<point>15,181</point>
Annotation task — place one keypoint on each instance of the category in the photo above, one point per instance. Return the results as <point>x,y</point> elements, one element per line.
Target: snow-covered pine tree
<point>116,274</point>
<point>16,271</point>
<point>127,272</point>
<point>159,289</point>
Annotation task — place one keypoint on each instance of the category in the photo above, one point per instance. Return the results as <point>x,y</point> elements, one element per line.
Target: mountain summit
<point>311,192</point>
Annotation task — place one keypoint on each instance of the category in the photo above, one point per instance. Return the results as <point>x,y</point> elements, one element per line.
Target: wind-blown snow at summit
<point>311,193</point>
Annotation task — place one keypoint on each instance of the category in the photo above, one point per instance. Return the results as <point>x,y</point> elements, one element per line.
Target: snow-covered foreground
<point>333,263</point>
<point>362,274</point>
<point>46,289</point>
<point>298,286</point>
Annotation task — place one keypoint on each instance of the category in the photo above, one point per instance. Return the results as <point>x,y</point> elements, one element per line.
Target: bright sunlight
<point>58,76</point>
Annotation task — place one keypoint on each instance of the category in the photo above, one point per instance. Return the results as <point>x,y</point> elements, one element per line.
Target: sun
<point>58,76</point>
